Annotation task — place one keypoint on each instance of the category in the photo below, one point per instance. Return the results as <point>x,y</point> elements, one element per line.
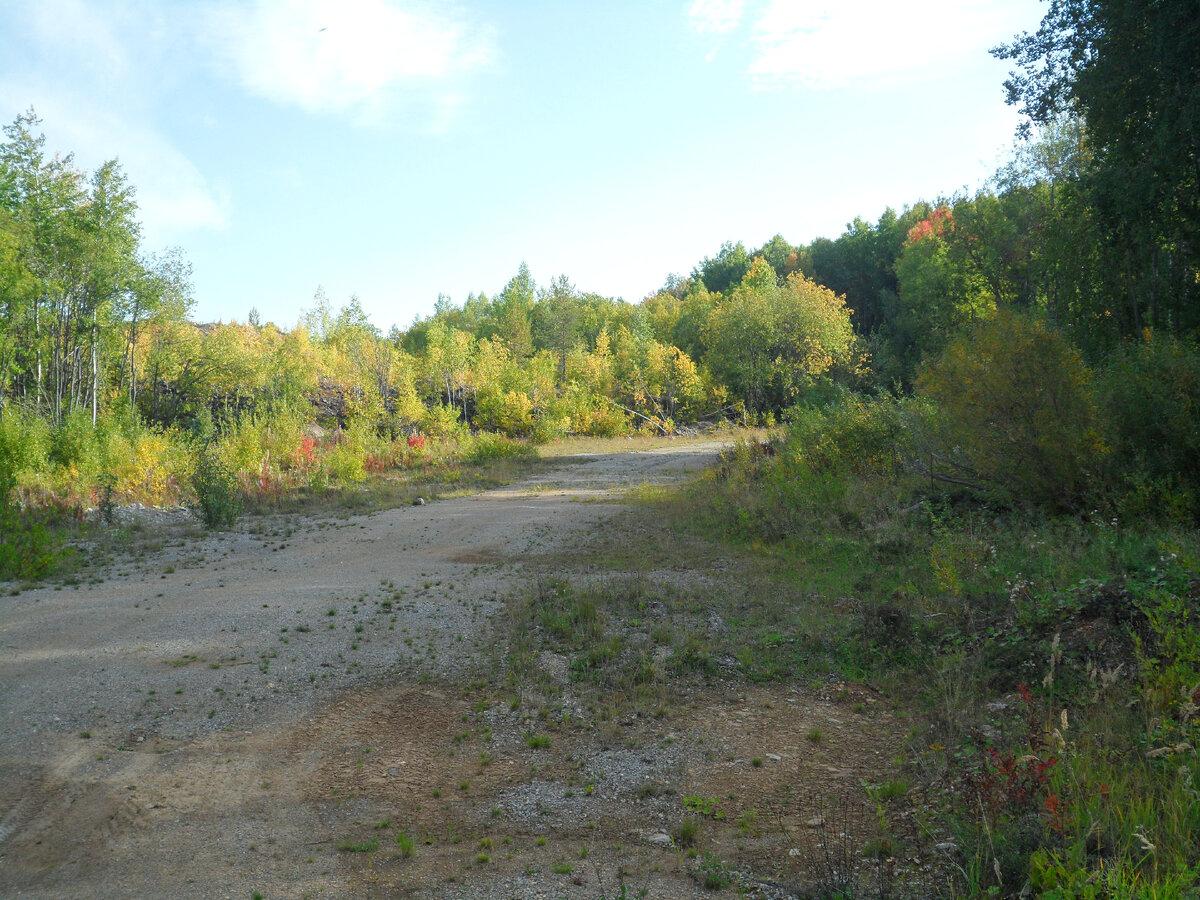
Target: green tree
<point>940,293</point>
<point>1130,69</point>
<point>557,321</point>
<point>770,343</point>
<point>725,270</point>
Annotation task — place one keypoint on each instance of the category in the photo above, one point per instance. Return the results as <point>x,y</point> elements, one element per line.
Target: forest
<point>105,378</point>
<point>988,401</point>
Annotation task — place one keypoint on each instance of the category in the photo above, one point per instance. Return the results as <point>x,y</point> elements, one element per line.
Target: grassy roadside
<point>1049,664</point>
<point>1052,663</point>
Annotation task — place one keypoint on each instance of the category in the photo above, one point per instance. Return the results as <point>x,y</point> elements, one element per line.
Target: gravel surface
<point>270,712</point>
<point>240,633</point>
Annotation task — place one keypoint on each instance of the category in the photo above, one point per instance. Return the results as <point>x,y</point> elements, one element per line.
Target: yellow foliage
<point>1014,412</point>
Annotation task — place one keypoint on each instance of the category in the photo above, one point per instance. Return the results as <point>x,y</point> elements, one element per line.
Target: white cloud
<point>716,16</point>
<point>344,55</point>
<point>832,43</point>
<point>173,195</point>
<point>94,74</point>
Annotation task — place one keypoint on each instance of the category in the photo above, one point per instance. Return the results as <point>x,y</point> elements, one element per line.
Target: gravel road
<point>121,700</point>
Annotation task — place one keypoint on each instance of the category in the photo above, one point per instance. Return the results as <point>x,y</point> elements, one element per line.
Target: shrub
<point>1150,394</point>
<point>487,447</point>
<point>442,421</point>
<point>27,549</point>
<point>510,412</point>
<point>24,441</point>
<point>218,498</point>
<point>1014,415</point>
<point>71,440</point>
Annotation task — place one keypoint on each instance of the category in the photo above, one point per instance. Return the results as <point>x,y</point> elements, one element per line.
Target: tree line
<point>1090,228</point>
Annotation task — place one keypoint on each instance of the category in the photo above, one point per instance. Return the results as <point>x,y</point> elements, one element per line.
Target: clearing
<point>276,710</point>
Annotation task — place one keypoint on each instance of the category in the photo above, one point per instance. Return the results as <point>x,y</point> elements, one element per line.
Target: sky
<point>395,150</point>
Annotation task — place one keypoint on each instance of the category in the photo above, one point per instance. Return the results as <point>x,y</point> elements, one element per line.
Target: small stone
<point>661,838</point>
<point>774,757</point>
<point>945,847</point>
<point>816,822</point>
<point>420,501</point>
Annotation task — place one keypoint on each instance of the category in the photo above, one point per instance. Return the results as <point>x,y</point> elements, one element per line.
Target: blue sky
<point>398,149</point>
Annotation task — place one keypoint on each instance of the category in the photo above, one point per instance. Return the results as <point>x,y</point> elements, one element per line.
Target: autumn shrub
<point>508,411</point>
<point>1013,415</point>
<point>153,470</point>
<point>441,421</point>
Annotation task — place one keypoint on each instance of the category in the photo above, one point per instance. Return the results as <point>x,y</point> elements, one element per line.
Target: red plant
<point>306,454</point>
<point>939,222</point>
<point>1054,813</point>
<point>416,442</point>
<point>1012,785</point>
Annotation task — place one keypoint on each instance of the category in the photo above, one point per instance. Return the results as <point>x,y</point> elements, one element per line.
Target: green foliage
<point>1013,414</point>
<point>27,549</point>
<point>1150,393</point>
<point>1087,58</point>
<point>1086,783</point>
<point>771,343</point>
<point>218,500</point>
<point>725,270</point>
<point>940,293</point>
<point>488,447</point>
<point>442,421</point>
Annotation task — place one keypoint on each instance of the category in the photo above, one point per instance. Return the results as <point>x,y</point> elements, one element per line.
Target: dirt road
<point>264,711</point>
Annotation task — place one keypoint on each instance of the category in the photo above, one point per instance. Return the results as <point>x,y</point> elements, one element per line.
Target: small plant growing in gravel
<point>405,844</point>
<point>705,806</point>
<point>687,832</point>
<point>364,847</point>
<point>716,876</point>
<point>537,741</point>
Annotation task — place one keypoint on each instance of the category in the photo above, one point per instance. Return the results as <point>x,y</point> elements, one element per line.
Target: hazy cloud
<point>345,55</point>
<point>716,16</point>
<point>94,74</point>
<point>830,43</point>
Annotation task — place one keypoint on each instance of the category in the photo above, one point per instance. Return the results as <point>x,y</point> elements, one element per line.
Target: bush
<point>487,447</point>
<point>1151,404</point>
<point>442,421</point>
<point>510,412</point>
<point>27,549</point>
<point>1013,415</point>
<point>24,441</point>
<point>218,498</point>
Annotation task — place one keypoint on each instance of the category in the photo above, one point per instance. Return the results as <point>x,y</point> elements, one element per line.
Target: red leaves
<point>940,221</point>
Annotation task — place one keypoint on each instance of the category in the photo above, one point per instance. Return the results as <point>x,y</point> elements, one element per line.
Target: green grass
<point>405,845</point>
<point>351,846</point>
